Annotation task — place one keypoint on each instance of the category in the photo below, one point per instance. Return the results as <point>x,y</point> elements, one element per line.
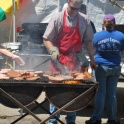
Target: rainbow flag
<point>6,7</point>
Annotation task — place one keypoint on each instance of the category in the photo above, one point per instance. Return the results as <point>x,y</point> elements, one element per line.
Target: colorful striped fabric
<point>6,7</point>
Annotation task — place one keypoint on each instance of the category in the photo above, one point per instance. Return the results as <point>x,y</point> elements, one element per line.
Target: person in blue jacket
<point>109,43</point>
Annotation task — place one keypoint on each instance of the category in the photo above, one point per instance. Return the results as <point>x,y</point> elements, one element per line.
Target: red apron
<point>68,42</point>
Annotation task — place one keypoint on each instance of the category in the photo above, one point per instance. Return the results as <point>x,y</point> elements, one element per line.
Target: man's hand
<point>54,51</point>
<point>92,64</point>
<point>18,60</point>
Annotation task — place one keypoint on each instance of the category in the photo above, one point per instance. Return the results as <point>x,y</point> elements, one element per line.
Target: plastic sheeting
<point>96,9</point>
<point>41,11</point>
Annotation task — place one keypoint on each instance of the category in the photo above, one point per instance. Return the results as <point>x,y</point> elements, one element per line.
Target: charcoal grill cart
<point>66,97</point>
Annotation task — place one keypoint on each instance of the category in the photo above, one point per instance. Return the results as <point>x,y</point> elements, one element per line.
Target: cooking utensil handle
<point>35,69</point>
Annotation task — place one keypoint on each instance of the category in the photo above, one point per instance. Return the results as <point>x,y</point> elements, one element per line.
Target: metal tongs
<point>82,61</point>
<point>64,69</point>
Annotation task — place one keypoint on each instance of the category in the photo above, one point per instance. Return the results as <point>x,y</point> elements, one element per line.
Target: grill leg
<point>28,113</point>
<point>49,112</point>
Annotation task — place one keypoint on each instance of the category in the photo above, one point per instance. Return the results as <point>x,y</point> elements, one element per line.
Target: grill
<point>119,27</point>
<point>23,92</point>
<point>60,96</point>
<point>26,92</point>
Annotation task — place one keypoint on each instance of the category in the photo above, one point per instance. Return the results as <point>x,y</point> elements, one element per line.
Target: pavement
<point>8,115</point>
